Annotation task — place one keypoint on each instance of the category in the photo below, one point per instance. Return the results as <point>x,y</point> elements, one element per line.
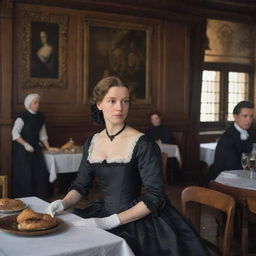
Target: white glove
<point>28,147</point>
<point>104,223</point>
<point>55,207</point>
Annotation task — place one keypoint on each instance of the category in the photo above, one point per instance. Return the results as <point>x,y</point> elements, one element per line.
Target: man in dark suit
<point>238,138</point>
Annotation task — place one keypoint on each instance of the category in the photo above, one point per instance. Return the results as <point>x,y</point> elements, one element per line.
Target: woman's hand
<point>106,223</point>
<point>28,147</point>
<point>55,207</point>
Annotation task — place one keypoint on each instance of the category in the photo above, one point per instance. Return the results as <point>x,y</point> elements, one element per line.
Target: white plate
<point>13,211</point>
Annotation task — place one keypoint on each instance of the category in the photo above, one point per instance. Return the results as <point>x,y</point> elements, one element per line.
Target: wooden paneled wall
<point>176,51</point>
<point>175,72</point>
<point>5,85</point>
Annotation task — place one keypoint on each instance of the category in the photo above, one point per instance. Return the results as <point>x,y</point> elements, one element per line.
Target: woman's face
<point>34,105</point>
<point>43,37</point>
<point>115,105</point>
<point>155,120</point>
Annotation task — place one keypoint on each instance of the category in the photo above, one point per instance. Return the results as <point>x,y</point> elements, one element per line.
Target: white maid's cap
<point>30,97</point>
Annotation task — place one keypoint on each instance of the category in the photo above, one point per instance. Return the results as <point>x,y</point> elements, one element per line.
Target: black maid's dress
<point>30,174</point>
<point>163,232</point>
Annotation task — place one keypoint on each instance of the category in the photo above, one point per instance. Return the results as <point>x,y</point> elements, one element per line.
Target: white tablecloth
<point>66,163</point>
<point>207,152</point>
<point>75,241</point>
<point>238,179</point>
<point>61,163</point>
<point>171,150</point>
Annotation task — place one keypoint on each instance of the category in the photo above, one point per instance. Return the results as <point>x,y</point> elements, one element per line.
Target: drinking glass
<point>252,163</point>
<point>244,160</point>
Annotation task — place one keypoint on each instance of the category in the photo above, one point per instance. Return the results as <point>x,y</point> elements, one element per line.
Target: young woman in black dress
<point>123,160</point>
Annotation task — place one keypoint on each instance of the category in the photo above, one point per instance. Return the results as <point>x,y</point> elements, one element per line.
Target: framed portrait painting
<point>122,50</point>
<point>45,50</point>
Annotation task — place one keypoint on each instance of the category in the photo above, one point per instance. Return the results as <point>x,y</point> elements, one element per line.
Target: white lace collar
<point>113,160</point>
<point>243,133</point>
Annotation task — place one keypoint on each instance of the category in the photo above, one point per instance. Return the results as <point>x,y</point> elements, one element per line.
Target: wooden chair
<point>244,210</point>
<point>248,219</point>
<point>165,167</point>
<point>210,198</point>
<point>3,186</point>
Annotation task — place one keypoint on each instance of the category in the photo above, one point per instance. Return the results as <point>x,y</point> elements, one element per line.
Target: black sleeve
<point>166,135</point>
<point>85,175</point>
<point>150,168</point>
<point>149,133</point>
<point>227,157</point>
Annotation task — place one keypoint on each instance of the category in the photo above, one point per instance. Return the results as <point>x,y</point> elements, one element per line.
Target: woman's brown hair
<point>101,89</point>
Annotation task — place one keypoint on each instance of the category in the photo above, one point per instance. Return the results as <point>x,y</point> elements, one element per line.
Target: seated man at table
<point>157,131</point>
<point>238,138</point>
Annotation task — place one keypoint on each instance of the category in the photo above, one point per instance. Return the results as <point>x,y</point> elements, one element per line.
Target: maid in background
<point>123,160</point>
<point>29,172</point>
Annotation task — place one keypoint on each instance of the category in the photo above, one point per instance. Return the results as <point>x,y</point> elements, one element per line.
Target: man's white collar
<point>243,133</point>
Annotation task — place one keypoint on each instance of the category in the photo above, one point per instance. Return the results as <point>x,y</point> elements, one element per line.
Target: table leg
<point>244,238</point>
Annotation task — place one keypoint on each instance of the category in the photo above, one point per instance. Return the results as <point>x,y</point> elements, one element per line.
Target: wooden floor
<point>173,191</point>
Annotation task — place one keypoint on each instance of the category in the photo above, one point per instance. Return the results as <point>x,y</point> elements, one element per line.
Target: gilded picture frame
<point>119,49</point>
<point>45,50</point>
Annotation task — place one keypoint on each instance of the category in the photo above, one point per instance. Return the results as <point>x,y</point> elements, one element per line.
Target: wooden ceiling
<point>247,7</point>
<point>217,8</point>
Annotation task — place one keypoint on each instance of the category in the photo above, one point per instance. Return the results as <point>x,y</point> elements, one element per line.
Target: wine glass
<point>251,165</point>
<point>244,160</point>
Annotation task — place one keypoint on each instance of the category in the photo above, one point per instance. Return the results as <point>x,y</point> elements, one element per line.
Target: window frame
<point>224,68</point>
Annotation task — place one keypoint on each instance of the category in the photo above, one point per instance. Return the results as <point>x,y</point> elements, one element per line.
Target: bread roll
<point>28,214</point>
<point>34,225</point>
<point>28,220</point>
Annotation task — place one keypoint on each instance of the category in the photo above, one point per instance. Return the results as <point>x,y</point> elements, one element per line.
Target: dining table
<point>67,240</point>
<point>172,150</point>
<point>237,183</point>
<point>59,162</point>
<point>241,186</point>
<point>207,152</point>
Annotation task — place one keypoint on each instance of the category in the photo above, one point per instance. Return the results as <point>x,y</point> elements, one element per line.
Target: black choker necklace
<point>111,137</point>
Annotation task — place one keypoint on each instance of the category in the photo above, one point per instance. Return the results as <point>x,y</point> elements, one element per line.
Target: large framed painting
<point>118,49</point>
<point>45,50</point>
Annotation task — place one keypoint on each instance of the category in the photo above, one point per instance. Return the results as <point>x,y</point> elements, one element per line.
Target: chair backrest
<point>165,168</point>
<point>251,204</point>
<point>3,186</point>
<point>217,200</point>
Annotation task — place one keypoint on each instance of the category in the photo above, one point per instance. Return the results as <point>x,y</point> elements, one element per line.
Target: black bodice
<point>32,125</point>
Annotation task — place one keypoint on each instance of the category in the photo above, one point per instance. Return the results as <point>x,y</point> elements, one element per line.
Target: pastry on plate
<point>69,145</point>
<point>7,204</point>
<point>29,220</point>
